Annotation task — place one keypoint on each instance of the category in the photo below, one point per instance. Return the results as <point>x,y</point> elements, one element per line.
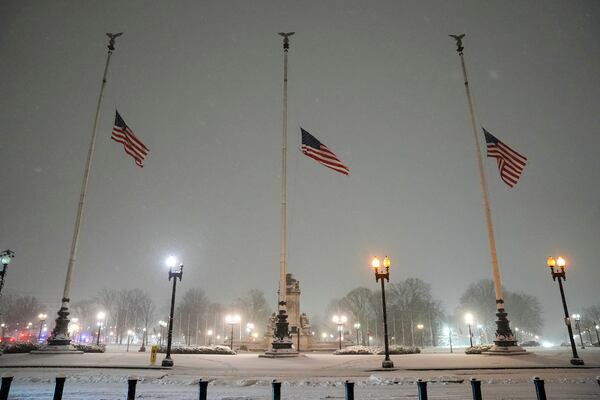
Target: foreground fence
<point>540,390</point>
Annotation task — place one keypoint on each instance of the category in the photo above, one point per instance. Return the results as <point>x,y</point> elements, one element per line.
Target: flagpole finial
<point>112,36</point>
<point>286,40</point>
<point>459,46</point>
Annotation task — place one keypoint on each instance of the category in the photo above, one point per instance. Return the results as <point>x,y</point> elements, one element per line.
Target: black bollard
<point>203,389</point>
<point>5,388</point>
<point>59,387</point>
<point>422,385</point>
<point>476,388</point>
<point>540,391</point>
<point>349,390</point>
<point>276,389</point>
<point>131,383</point>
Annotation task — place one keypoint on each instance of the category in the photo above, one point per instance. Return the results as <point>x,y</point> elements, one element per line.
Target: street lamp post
<point>448,332</point>
<point>340,321</point>
<point>162,324</point>
<point>420,328</point>
<point>469,322</point>
<point>561,275</point>
<point>517,334</point>
<point>5,257</point>
<point>577,319</point>
<point>232,320</point>
<point>356,328</point>
<point>42,317</point>
<point>596,327</point>
<point>144,340</point>
<point>209,333</point>
<point>383,276</point>
<point>129,333</point>
<point>171,262</point>
<point>100,317</point>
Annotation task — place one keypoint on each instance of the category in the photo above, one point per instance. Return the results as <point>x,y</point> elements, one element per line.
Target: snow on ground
<point>312,376</point>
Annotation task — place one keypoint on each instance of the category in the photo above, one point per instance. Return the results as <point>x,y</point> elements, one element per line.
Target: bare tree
<point>254,307</point>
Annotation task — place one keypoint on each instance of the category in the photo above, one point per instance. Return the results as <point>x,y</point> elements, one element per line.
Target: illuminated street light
<point>5,258</point>
<point>100,317</point>
<point>42,317</point>
<point>232,320</point>
<point>561,275</point>
<point>420,329</point>
<point>171,262</point>
<point>448,331</point>
<point>469,322</point>
<point>383,276</point>
<point>209,333</point>
<point>577,319</point>
<point>129,333</point>
<point>340,321</point>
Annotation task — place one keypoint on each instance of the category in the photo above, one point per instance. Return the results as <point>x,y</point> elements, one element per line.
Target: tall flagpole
<point>59,340</point>
<point>282,343</point>
<point>504,342</point>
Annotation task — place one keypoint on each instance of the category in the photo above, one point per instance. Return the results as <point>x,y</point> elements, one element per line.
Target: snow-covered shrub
<point>21,347</point>
<point>90,348</point>
<point>530,343</point>
<point>394,349</point>
<point>478,349</point>
<point>355,350</point>
<point>197,350</point>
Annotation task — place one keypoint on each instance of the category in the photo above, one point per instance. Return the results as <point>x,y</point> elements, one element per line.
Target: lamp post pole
<point>356,328</point>
<point>450,339</point>
<point>232,320</point>
<point>577,319</point>
<point>6,257</point>
<point>171,261</point>
<point>561,275</point>
<point>420,328</point>
<point>595,328</point>
<point>42,318</point>
<point>383,276</point>
<point>340,321</point>
<point>469,321</point>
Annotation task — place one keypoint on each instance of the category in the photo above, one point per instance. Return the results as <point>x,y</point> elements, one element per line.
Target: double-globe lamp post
<point>340,320</point>
<point>232,320</point>
<point>171,262</point>
<point>383,276</point>
<point>560,274</point>
<point>469,322</point>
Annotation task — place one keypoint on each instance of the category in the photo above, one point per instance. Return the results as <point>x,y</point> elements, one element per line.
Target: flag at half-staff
<point>510,163</point>
<point>316,150</point>
<point>131,144</point>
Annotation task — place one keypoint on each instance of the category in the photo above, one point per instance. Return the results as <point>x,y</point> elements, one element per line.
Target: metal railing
<point>132,381</point>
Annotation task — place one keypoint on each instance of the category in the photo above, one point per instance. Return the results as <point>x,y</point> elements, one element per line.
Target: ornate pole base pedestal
<point>282,345</point>
<point>505,343</point>
<point>60,342</point>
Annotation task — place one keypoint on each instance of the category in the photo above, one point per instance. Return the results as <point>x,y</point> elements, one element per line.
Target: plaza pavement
<point>310,364</point>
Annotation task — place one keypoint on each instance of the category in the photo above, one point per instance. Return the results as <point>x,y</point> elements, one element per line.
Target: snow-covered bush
<point>394,349</point>
<point>90,348</point>
<point>478,349</point>
<point>197,350</point>
<point>21,347</point>
<point>399,349</point>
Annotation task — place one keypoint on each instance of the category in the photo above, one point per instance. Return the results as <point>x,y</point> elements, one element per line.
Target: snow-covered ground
<point>311,376</point>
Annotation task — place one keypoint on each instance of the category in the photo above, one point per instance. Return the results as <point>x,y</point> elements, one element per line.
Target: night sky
<point>200,83</point>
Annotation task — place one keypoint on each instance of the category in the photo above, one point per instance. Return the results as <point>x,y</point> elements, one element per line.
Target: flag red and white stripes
<point>316,150</point>
<point>131,144</point>
<point>510,163</point>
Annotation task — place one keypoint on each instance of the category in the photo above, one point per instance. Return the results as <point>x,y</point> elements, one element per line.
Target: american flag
<point>510,163</point>
<point>131,144</point>
<point>316,150</point>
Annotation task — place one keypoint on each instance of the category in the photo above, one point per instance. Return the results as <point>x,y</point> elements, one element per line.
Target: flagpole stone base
<point>282,345</point>
<point>504,343</point>
<point>48,349</point>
